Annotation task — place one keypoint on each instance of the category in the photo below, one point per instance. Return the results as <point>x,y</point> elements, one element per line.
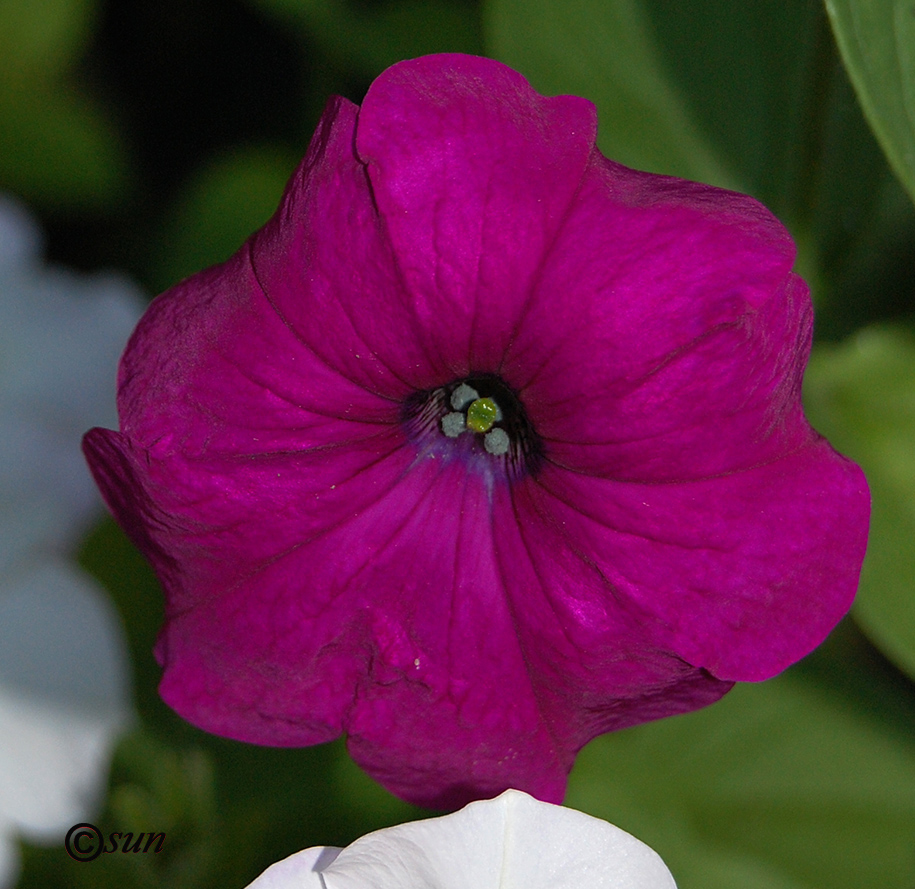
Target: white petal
<point>63,335</point>
<point>61,640</point>
<point>54,761</point>
<point>511,842</point>
<point>63,667</point>
<point>63,697</point>
<point>458,851</point>
<point>560,848</point>
<point>300,871</point>
<point>20,236</point>
<point>60,338</point>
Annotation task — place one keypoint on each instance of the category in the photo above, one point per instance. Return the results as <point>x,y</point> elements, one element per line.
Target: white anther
<point>462,396</point>
<point>453,424</point>
<point>496,442</point>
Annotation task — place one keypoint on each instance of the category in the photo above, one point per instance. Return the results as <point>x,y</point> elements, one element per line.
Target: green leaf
<point>749,88</point>
<point>779,786</point>
<point>861,396</point>
<point>877,41</point>
<point>751,85</point>
<point>604,50</point>
<point>771,93</point>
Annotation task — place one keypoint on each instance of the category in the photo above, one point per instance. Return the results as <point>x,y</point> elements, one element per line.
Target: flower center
<point>480,417</point>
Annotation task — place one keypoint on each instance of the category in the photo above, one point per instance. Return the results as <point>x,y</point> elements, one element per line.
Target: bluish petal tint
<point>656,521</point>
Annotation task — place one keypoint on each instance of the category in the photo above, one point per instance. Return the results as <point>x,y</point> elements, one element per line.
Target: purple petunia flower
<point>483,446</point>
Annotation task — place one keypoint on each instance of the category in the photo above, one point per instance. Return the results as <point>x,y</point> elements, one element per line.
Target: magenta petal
<point>212,369</point>
<point>473,173</point>
<point>589,650</point>
<point>325,265</point>
<point>741,574</point>
<point>690,335</point>
<point>627,512</point>
<point>391,656</point>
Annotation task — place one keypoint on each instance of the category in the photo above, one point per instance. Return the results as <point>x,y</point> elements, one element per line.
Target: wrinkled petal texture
<point>325,573</point>
<point>511,842</point>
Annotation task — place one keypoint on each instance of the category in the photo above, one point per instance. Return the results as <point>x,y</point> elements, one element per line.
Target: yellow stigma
<point>481,415</point>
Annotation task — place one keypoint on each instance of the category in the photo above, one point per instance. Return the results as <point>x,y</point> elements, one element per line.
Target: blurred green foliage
<point>58,148</point>
<point>877,40</point>
<point>605,52</point>
<point>861,395</point>
<point>781,785</point>
<point>742,97</point>
<point>371,37</point>
<point>231,196</point>
<point>156,138</point>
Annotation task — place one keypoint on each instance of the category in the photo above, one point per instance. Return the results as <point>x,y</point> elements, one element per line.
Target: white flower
<point>61,335</point>
<point>63,667</point>
<point>511,842</point>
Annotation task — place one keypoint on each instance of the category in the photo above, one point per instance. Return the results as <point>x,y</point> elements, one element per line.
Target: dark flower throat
<point>450,415</point>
